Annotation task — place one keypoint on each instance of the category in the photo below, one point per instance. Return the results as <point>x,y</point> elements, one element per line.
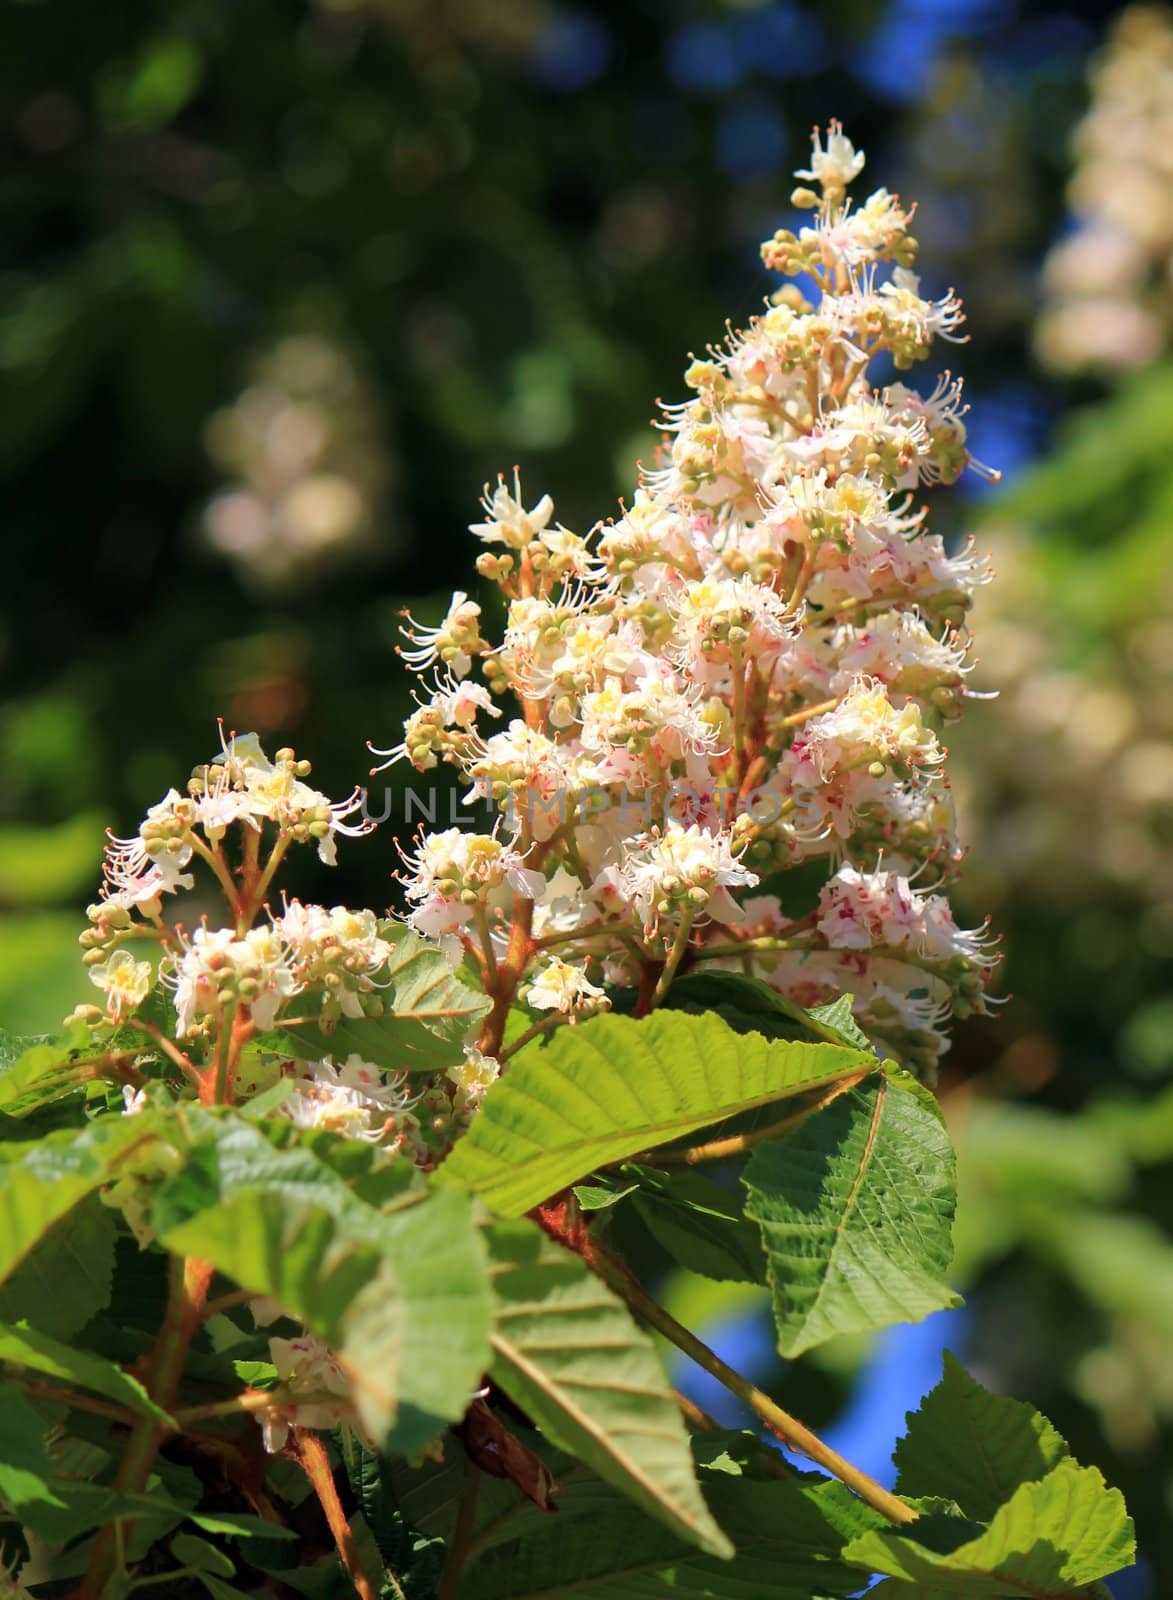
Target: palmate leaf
<point>76,1507</point>
<point>788,1535</point>
<point>611,1087</point>
<point>42,1180</point>
<point>230,1151</point>
<point>974,1446</point>
<point>67,1277</point>
<point>567,1351</point>
<point>402,1297</point>
<point>1050,1539</point>
<point>699,1224</point>
<point>855,1207</point>
<point>429,1012</point>
<point>28,1350</point>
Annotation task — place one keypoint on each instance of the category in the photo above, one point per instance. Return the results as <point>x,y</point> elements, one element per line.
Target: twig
<point>781,1423</point>
<point>675,956</point>
<point>554,1019</point>
<point>228,1302</point>
<point>81,1402</point>
<point>310,1454</point>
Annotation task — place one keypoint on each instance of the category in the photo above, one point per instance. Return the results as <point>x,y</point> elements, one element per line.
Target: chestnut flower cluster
<point>219,1005</point>
<point>744,674</point>
<point>708,735</point>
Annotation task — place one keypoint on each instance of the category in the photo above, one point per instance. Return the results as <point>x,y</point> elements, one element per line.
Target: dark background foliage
<point>510,220</point>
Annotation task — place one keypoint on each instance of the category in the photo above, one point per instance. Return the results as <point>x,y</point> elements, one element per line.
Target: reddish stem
<point>310,1454</point>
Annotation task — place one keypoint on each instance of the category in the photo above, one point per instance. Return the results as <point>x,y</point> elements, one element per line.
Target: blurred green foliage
<point>513,242</point>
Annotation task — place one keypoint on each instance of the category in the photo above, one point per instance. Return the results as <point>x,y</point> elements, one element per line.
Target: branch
<point>81,1402</point>
<point>787,1428</point>
<point>310,1454</point>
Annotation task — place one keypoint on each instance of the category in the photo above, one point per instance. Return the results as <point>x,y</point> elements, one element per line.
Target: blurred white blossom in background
<point>306,463</point>
<point>1109,291</point>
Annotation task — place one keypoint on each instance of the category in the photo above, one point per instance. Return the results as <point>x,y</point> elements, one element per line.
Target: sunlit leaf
<point>974,1446</point>
<point>1050,1539</point>
<point>568,1352</point>
<point>855,1206</point>
<point>611,1087</point>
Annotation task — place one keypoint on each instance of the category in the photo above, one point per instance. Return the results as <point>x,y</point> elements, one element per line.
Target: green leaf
<point>219,1590</point>
<point>166,76</point>
<point>191,1551</point>
<point>80,1507</point>
<point>598,1197</point>
<point>699,1224</point>
<point>427,1497</point>
<point>974,1446</point>
<point>36,1352</point>
<point>855,1206</point>
<point>613,1086</point>
<point>369,1479</point>
<point>567,1351</point>
<point>428,1017</point>
<point>1051,1538</point>
<point>67,1278</point>
<point>403,1298</point>
<point>35,1072</point>
<point>788,1537</point>
<point>256,1374</point>
<point>25,1464</point>
<point>42,1180</point>
<point>239,1525</point>
<point>736,994</point>
<point>839,1016</point>
<point>229,1153</point>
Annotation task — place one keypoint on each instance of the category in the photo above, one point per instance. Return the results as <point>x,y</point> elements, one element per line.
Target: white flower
<point>508,522</point>
<point>453,643</point>
<point>717,617</point>
<point>838,164</point>
<point>453,874</point>
<point>242,784</point>
<point>864,728</point>
<point>218,969</point>
<point>659,717</point>
<point>900,650</point>
<point>861,910</point>
<point>139,870</point>
<point>355,1099</point>
<point>919,321</point>
<point>668,871</point>
<point>753,655</point>
<point>339,949</point>
<point>474,1076</point>
<point>125,982</point>
<point>560,986</point>
<point>459,703</point>
<point>307,1365</point>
